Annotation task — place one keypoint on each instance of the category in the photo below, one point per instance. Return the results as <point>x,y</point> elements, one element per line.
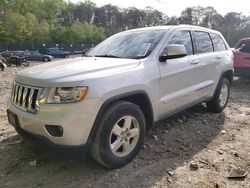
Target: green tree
<point>58,33</point>
<point>49,10</point>
<point>84,12</point>
<point>153,17</point>
<point>76,33</point>
<point>174,20</point>
<point>84,32</point>
<point>43,32</point>
<point>25,6</point>
<point>61,21</point>
<point>110,17</point>
<point>67,16</point>
<point>15,28</point>
<point>134,18</point>
<point>36,31</point>
<point>94,34</point>
<point>192,15</point>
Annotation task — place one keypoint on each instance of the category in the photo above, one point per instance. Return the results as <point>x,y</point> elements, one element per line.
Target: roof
<point>166,27</point>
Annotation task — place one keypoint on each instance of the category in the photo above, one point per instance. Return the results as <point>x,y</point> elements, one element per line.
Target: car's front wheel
<point>120,135</point>
<point>46,59</point>
<point>221,96</point>
<point>25,63</point>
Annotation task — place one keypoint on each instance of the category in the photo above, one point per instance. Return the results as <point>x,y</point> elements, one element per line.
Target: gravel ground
<point>192,149</point>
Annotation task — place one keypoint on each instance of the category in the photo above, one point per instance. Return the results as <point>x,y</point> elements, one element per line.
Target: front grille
<point>26,97</point>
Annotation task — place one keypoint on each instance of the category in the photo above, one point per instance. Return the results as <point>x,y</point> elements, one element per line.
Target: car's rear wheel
<point>120,135</point>
<point>2,67</point>
<point>221,96</point>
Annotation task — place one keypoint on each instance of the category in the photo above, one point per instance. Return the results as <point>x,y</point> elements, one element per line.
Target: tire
<point>8,63</point>
<point>46,59</point>
<point>221,96</point>
<point>113,123</point>
<point>26,63</point>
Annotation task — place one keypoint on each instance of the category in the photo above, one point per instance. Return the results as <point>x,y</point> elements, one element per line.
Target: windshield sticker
<point>144,49</point>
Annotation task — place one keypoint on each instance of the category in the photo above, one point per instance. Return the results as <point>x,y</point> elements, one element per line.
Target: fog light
<point>54,130</point>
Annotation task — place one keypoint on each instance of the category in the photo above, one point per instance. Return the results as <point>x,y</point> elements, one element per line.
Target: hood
<point>71,72</point>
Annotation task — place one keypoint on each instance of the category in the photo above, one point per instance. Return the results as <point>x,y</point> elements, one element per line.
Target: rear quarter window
<point>218,42</point>
<point>203,42</point>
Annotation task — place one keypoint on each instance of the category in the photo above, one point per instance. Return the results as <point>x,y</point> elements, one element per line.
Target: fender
<point>110,101</point>
<point>229,74</point>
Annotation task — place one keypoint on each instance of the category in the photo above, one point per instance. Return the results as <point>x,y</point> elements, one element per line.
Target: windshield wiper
<point>108,55</point>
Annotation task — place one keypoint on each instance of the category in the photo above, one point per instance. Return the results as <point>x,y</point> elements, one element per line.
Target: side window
<point>219,44</point>
<point>245,47</point>
<point>184,38</point>
<point>203,42</point>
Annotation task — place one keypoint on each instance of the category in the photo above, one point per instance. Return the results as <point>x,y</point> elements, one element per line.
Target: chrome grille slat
<point>16,86</point>
<point>13,91</point>
<point>19,95</point>
<point>26,97</point>
<point>30,99</point>
<point>16,95</point>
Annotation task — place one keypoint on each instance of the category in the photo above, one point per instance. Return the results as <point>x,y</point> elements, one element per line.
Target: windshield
<point>131,45</point>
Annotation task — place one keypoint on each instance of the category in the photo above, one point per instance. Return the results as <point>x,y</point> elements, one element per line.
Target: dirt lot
<point>214,144</point>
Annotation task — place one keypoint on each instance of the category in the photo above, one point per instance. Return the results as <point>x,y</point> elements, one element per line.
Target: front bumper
<point>76,119</point>
<point>68,151</point>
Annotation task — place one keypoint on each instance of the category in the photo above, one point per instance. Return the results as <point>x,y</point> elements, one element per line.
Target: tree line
<point>58,21</point>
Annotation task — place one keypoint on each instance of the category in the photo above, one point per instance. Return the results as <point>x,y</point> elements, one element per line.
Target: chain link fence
<point>73,48</point>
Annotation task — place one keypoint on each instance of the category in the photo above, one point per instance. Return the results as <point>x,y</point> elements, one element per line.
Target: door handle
<point>194,62</point>
<point>247,58</point>
<point>218,58</point>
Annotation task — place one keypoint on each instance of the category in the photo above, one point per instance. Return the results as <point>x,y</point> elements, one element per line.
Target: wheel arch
<point>139,98</point>
<point>229,74</point>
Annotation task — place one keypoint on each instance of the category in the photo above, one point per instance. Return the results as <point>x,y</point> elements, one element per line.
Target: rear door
<point>222,53</point>
<point>209,62</point>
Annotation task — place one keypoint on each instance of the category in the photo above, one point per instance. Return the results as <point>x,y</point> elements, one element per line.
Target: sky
<point>175,7</point>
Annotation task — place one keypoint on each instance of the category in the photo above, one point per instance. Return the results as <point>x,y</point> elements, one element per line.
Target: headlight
<point>66,94</point>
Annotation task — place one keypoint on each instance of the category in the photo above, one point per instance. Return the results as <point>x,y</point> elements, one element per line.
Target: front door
<point>180,77</point>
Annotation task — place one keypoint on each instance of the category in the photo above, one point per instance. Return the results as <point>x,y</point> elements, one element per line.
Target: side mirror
<point>173,51</point>
<point>241,49</point>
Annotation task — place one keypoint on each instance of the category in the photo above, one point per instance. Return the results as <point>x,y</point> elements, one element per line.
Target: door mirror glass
<point>173,51</point>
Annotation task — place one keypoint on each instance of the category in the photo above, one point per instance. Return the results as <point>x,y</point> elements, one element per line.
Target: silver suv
<point>105,103</point>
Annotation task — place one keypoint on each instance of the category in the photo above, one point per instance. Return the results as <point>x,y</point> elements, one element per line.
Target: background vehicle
<point>2,58</point>
<point>7,54</point>
<point>56,52</point>
<point>17,61</point>
<point>2,64</point>
<point>242,58</point>
<point>107,101</point>
<point>36,56</point>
